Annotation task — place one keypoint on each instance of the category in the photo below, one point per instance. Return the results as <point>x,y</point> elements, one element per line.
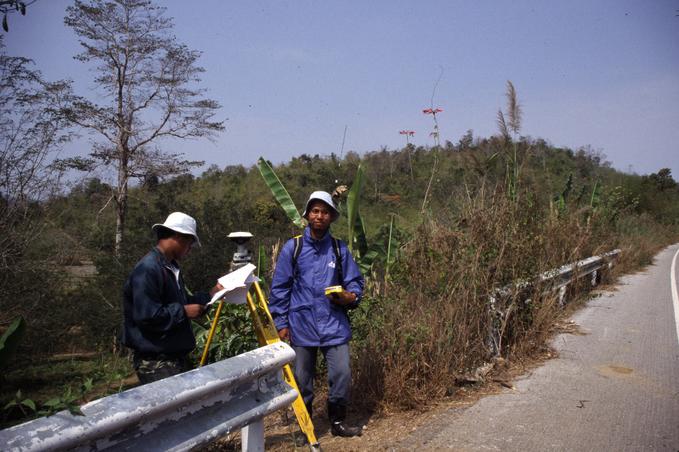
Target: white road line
<point>675,296</point>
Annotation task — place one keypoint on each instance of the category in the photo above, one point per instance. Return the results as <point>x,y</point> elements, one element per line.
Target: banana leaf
<point>359,239</point>
<point>355,224</point>
<point>279,192</point>
<point>388,262</point>
<point>594,199</point>
<point>366,262</point>
<point>262,267</point>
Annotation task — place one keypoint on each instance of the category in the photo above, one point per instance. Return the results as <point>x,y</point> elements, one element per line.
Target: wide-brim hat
<point>179,222</point>
<point>326,198</point>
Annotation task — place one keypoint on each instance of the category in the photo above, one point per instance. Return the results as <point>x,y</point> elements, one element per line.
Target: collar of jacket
<point>163,260</point>
<point>309,238</point>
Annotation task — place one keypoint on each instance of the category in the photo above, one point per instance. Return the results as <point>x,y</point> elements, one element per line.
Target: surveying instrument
<point>265,330</point>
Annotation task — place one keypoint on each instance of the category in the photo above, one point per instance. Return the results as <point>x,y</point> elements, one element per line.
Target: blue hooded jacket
<point>153,307</point>
<point>297,298</point>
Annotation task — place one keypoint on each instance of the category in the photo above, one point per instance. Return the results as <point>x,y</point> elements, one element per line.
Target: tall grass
<point>412,346</point>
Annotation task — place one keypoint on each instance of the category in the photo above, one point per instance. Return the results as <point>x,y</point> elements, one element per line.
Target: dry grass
<point>432,330</point>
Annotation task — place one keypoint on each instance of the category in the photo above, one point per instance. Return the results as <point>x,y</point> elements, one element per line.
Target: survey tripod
<point>266,333</point>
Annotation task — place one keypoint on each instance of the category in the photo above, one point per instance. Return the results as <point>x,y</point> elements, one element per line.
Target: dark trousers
<point>339,372</point>
<point>158,366</point>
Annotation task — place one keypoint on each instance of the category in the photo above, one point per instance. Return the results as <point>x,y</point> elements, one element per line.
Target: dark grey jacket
<point>153,308</point>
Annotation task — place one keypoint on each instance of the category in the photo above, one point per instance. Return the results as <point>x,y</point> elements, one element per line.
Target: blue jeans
<point>339,372</point>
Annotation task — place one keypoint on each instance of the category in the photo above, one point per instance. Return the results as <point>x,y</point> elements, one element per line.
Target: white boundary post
<point>252,436</point>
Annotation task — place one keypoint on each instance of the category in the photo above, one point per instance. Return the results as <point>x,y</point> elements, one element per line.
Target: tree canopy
<point>149,83</point>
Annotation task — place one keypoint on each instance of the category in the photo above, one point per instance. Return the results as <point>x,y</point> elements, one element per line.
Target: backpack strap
<point>297,251</point>
<point>338,260</point>
<point>340,272</point>
<point>299,241</point>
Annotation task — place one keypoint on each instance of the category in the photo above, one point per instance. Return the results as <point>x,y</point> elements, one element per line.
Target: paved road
<point>615,388</point>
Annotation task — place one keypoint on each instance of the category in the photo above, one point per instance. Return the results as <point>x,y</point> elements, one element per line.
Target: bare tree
<point>31,132</point>
<point>148,82</point>
<point>12,6</point>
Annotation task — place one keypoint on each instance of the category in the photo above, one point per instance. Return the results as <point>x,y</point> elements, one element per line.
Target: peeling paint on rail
<point>177,413</point>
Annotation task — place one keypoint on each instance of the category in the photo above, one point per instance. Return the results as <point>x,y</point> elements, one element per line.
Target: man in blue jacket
<point>309,319</point>
<point>157,307</point>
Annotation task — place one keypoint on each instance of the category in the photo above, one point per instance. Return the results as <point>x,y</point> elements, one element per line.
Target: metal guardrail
<point>174,414</point>
<point>562,276</point>
<point>199,406</point>
<point>557,280</point>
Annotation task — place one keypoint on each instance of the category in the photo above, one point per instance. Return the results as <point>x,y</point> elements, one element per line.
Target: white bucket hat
<point>179,222</point>
<point>326,198</point>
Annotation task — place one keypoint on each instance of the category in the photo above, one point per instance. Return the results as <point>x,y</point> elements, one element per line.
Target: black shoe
<point>339,428</point>
<point>337,414</point>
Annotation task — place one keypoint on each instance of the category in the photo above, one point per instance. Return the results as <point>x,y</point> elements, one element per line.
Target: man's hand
<point>193,311</point>
<point>216,289</point>
<point>342,298</point>
<point>284,334</point>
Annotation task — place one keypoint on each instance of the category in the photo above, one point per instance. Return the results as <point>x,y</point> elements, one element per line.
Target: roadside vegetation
<point>436,230</point>
<point>424,321</point>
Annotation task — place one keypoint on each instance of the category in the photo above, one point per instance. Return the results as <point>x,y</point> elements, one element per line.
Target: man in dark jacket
<point>309,319</point>
<point>157,307</point>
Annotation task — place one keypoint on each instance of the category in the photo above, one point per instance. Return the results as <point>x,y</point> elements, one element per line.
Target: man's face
<point>184,243</point>
<point>319,216</point>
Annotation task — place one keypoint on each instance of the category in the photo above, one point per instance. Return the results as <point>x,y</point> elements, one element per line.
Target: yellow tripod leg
<point>211,334</point>
<point>267,334</point>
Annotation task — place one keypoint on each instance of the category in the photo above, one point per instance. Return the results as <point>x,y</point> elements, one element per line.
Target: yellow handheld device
<point>333,289</point>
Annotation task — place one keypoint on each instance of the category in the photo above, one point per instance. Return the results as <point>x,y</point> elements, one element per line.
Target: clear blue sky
<point>292,74</point>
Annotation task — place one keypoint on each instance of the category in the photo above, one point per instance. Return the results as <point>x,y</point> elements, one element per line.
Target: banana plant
<point>279,192</point>
<point>594,199</point>
<point>562,198</point>
<point>390,254</point>
<point>366,255</point>
<point>383,250</point>
<point>262,266</point>
<point>356,229</point>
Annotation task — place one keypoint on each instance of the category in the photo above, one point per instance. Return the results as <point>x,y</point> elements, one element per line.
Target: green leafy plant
<point>262,266</point>
<point>562,198</point>
<point>279,192</point>
<point>390,252</point>
<point>10,340</point>
<point>26,406</point>
<point>594,199</point>
<point>366,255</point>
<point>234,334</point>
<point>68,400</point>
<point>356,230</point>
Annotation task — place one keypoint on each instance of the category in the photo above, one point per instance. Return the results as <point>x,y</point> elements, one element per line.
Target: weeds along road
<point>615,387</point>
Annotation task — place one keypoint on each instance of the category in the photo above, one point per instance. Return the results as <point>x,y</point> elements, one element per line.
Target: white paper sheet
<point>236,285</point>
